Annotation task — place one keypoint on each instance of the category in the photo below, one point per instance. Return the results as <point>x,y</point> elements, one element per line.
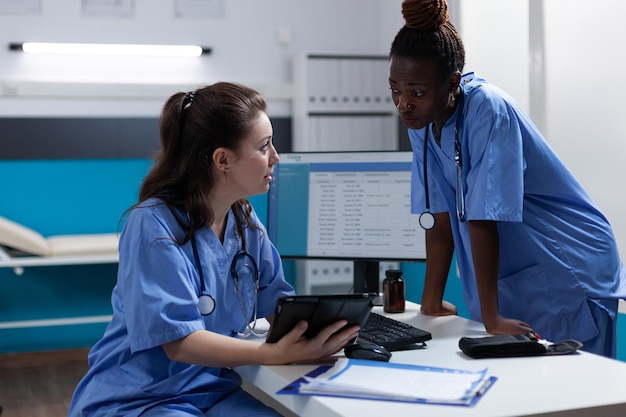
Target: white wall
<point>245,42</point>
<point>495,36</point>
<point>586,93</point>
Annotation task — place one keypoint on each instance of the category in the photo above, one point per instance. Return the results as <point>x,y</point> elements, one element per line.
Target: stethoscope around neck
<point>427,219</point>
<point>206,302</point>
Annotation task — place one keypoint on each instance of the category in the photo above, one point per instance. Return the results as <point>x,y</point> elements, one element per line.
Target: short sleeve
<point>494,184</point>
<point>155,276</point>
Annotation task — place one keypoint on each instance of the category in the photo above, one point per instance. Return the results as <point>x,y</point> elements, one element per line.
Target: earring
<point>452,97</point>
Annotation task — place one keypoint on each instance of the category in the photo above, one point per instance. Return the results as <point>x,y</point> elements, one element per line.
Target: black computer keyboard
<point>391,334</point>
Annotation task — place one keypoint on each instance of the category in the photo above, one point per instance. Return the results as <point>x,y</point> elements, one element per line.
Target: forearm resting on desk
<point>485,250</point>
<point>210,349</point>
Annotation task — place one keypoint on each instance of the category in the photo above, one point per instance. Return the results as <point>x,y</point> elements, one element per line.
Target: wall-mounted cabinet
<point>342,102</point>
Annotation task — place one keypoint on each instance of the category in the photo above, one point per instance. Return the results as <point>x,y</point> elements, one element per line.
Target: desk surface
<point>581,384</point>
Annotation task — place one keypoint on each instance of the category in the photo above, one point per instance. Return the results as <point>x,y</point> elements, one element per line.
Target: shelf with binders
<point>342,102</point>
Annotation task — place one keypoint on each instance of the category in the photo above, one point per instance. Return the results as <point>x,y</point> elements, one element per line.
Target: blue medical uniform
<point>155,302</point>
<point>559,262</point>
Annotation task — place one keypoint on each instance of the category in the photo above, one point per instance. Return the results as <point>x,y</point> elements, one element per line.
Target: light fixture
<point>110,49</point>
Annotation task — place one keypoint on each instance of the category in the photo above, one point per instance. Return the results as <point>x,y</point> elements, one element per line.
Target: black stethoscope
<point>206,302</point>
<point>427,219</point>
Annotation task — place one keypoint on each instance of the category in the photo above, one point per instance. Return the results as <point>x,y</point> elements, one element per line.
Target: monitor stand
<point>367,279</point>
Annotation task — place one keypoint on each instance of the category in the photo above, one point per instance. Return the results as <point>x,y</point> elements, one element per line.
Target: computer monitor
<point>345,206</point>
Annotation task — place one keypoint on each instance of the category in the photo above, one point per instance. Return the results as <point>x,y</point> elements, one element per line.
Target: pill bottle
<point>393,291</point>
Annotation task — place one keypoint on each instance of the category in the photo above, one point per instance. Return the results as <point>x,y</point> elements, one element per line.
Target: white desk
<point>575,385</point>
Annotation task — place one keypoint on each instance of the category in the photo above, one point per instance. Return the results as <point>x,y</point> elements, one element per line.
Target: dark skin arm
<point>439,249</point>
<point>485,253</point>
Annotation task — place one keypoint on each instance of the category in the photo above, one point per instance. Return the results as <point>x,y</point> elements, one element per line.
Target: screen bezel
<point>410,258</point>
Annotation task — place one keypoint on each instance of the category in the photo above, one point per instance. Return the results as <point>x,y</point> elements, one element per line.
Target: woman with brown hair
<point>197,271</point>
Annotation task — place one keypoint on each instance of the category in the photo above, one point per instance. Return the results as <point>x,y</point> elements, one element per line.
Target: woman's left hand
<point>295,347</point>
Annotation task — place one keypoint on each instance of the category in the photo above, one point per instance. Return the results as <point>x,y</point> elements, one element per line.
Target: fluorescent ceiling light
<point>109,49</point>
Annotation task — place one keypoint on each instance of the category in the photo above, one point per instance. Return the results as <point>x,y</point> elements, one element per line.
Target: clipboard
<point>319,311</point>
<point>372,380</point>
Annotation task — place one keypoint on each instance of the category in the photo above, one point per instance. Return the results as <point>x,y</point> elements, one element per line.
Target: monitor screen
<point>345,205</point>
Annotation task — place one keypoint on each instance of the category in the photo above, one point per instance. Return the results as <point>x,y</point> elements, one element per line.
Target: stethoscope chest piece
<point>426,220</point>
<point>206,304</point>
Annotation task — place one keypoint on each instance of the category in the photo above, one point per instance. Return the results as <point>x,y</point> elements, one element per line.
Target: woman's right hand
<point>295,347</point>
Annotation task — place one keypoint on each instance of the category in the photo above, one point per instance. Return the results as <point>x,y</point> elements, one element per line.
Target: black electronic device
<point>391,333</point>
<point>369,351</point>
<point>352,206</point>
<point>319,311</point>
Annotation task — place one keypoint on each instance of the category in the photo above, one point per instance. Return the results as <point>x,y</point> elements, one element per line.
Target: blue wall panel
<point>621,337</point>
<point>62,197</point>
<point>70,196</point>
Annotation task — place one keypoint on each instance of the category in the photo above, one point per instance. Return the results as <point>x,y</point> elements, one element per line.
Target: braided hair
<point>428,34</point>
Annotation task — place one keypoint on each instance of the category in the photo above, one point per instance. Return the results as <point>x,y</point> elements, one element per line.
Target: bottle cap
<point>393,273</point>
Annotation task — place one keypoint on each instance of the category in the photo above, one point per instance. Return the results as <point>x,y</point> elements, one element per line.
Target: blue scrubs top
<point>155,301</point>
<point>557,250</point>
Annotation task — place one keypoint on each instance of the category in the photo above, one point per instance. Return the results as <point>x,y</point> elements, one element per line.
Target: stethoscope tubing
<point>426,219</point>
<point>206,302</point>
